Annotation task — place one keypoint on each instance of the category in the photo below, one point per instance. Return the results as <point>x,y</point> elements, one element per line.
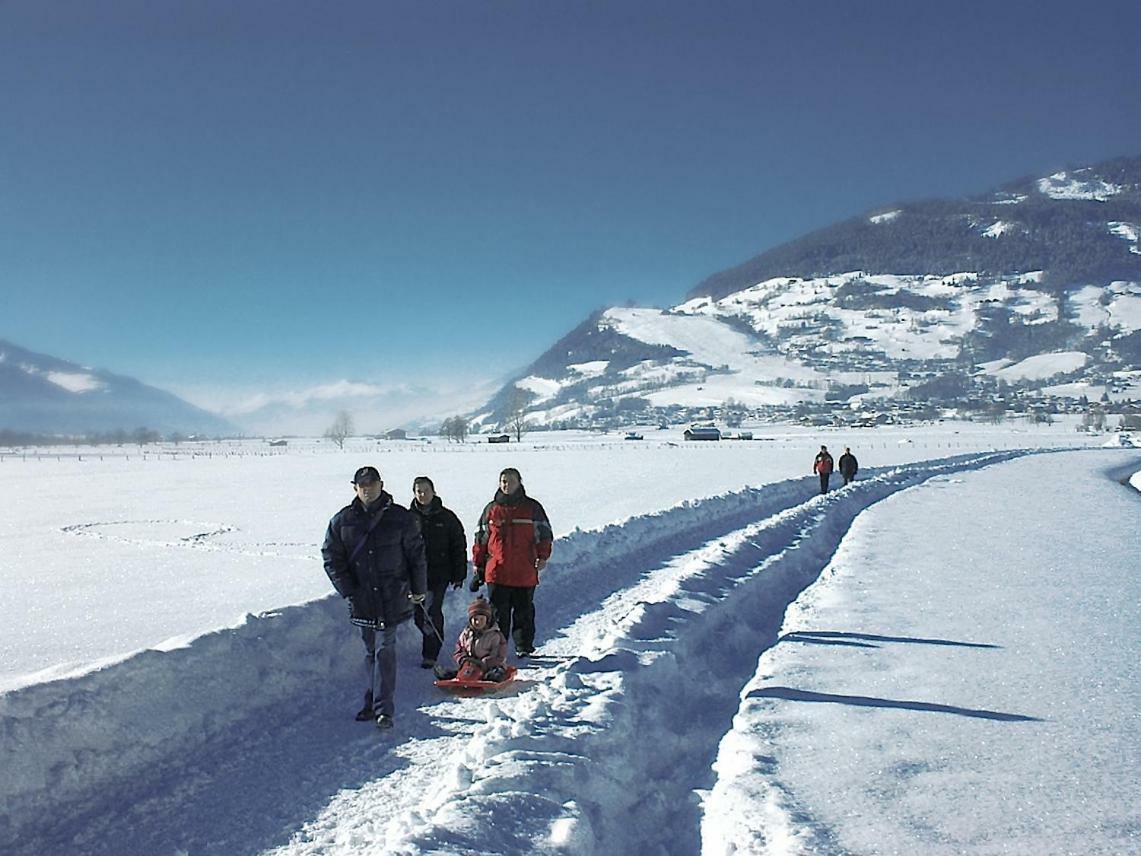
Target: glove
<point>495,673</point>
<point>418,598</point>
<point>476,581</point>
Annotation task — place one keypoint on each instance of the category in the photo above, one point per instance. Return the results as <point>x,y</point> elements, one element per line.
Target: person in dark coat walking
<point>511,548</point>
<point>848,464</point>
<point>822,466</point>
<point>446,548</point>
<point>374,556</point>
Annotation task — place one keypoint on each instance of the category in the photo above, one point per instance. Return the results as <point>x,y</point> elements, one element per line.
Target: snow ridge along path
<point>243,741</point>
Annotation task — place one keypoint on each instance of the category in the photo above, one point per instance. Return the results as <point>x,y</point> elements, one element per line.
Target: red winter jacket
<point>822,464</point>
<point>513,533</point>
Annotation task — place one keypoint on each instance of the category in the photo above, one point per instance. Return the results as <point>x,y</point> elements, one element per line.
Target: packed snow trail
<point>978,696</point>
<point>244,741</point>
<point>661,664</point>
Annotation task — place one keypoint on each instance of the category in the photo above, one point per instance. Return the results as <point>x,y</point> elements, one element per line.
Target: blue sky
<point>219,197</point>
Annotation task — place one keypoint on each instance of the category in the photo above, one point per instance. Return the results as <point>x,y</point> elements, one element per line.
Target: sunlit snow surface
<point>958,675</point>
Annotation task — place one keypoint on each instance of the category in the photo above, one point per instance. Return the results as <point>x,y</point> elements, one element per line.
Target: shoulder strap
<point>364,538</point>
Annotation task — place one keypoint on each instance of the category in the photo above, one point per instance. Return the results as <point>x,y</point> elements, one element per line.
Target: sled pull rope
<point>431,624</point>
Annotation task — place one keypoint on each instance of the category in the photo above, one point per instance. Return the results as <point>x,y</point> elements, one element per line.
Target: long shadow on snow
<point>823,637</point>
<point>790,694</point>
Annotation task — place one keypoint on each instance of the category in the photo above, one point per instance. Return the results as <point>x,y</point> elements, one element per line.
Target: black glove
<point>495,673</point>
<point>476,581</point>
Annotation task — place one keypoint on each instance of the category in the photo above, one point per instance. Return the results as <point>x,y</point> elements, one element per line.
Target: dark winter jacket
<point>381,576</point>
<point>823,464</point>
<point>444,542</point>
<point>849,465</point>
<point>513,532</point>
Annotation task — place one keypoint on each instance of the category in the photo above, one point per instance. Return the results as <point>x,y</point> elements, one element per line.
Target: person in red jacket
<point>822,466</point>
<point>512,546</point>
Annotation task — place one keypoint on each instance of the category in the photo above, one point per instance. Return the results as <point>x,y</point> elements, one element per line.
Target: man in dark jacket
<point>822,466</point>
<point>848,465</point>
<point>446,547</point>
<point>374,556</point>
<point>512,546</point>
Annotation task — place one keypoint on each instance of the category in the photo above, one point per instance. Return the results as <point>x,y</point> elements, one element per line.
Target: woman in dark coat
<point>446,548</point>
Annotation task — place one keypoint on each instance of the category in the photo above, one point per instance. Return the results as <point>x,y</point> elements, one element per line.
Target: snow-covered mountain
<point>41,394</point>
<point>1037,284</point>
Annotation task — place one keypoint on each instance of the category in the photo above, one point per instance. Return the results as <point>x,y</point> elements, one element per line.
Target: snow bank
<point>85,743</point>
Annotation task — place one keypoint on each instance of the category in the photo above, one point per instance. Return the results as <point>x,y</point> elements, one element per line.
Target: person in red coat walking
<point>512,545</point>
<point>822,466</point>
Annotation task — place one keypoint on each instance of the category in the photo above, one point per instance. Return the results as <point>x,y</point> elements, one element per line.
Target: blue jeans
<point>380,668</point>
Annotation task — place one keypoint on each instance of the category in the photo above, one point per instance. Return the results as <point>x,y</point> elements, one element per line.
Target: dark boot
<point>365,714</point>
<point>443,673</point>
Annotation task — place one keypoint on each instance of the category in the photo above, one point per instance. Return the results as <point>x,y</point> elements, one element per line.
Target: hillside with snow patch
<point>862,311</point>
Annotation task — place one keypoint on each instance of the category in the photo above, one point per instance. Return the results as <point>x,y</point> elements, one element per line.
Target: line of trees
<point>455,428</point>
<point>140,436</point>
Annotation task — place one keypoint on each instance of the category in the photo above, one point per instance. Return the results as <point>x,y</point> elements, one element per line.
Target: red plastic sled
<point>476,686</point>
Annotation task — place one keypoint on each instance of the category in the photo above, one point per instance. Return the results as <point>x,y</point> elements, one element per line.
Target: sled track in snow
<point>241,742</point>
<point>166,534</point>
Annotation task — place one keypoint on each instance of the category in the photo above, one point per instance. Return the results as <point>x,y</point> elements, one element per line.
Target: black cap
<point>366,475</point>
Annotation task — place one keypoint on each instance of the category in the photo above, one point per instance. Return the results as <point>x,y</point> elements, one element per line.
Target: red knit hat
<point>479,605</point>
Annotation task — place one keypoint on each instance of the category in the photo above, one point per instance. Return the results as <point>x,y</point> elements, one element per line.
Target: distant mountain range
<point>40,394</point>
<point>1036,284</point>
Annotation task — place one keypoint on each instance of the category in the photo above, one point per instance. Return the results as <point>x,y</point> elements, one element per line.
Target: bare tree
<point>516,420</point>
<point>455,428</point>
<point>341,428</point>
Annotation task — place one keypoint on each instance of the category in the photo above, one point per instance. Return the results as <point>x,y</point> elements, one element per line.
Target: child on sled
<point>481,650</point>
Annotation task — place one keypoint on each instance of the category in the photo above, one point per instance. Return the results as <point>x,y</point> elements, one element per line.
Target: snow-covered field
<point>959,675</point>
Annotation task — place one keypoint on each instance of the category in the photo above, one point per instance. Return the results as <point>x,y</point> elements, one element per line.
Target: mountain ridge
<point>877,307</point>
<point>44,394</point>
<point>921,238</point>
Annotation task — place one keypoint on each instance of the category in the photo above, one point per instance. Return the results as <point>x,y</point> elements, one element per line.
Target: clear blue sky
<point>222,194</point>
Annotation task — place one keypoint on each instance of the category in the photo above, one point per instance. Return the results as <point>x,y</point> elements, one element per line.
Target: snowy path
<point>160,755</point>
<point>978,696</point>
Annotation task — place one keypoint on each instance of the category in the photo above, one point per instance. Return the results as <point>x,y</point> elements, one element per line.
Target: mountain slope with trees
<point>1034,287</point>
